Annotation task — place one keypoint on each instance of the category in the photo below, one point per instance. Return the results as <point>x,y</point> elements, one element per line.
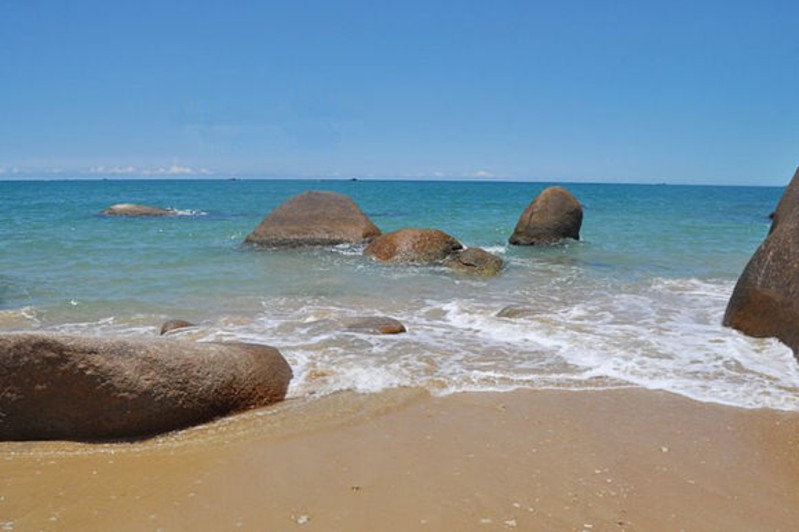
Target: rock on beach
<point>765,301</point>
<point>84,388</point>
<point>554,215</point>
<point>417,246</point>
<point>314,218</point>
<point>131,209</point>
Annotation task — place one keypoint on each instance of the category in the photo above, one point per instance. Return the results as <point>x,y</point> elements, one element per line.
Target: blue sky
<point>613,91</point>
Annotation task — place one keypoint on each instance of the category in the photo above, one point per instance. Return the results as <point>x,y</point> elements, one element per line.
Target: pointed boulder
<point>765,301</point>
<point>553,216</point>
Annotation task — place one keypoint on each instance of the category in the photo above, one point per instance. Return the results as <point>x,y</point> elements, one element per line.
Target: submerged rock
<point>553,216</point>
<point>475,261</point>
<point>516,311</point>
<point>131,209</point>
<point>314,218</point>
<point>84,388</point>
<point>171,325</point>
<point>765,301</point>
<point>419,246</point>
<point>373,325</point>
<point>359,324</point>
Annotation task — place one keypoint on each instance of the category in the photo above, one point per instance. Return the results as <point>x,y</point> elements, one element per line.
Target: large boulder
<point>76,388</point>
<point>475,261</point>
<point>553,216</point>
<point>420,246</point>
<point>765,301</point>
<point>314,218</point>
<point>131,209</point>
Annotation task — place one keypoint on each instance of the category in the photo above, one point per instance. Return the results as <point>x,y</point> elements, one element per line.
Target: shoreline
<point>627,459</point>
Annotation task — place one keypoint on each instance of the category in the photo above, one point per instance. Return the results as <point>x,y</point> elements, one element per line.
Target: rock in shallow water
<point>130,209</point>
<point>359,324</point>
<point>172,325</point>
<point>475,261</point>
<point>516,311</point>
<point>76,388</point>
<point>314,218</point>
<point>765,301</point>
<point>552,216</point>
<point>417,246</point>
<point>372,325</point>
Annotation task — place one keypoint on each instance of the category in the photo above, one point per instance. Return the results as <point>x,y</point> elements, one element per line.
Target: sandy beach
<point>403,460</point>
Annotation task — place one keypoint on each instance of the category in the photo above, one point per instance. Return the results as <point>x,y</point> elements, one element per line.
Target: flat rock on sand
<point>765,301</point>
<point>67,387</point>
<point>314,218</point>
<point>419,246</point>
<point>131,209</point>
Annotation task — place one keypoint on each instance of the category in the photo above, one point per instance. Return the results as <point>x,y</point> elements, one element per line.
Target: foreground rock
<point>765,301</point>
<point>475,261</point>
<point>418,246</point>
<point>172,325</point>
<point>314,218</point>
<point>553,216</point>
<point>130,209</point>
<point>66,387</point>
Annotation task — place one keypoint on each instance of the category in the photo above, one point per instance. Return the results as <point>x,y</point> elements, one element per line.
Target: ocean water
<point>638,301</point>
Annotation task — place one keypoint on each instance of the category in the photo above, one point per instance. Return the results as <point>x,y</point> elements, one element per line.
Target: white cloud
<point>2,170</point>
<point>114,170</point>
<point>439,174</point>
<point>483,173</point>
<point>175,169</point>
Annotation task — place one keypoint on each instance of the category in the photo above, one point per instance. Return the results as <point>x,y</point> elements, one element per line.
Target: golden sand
<point>529,460</point>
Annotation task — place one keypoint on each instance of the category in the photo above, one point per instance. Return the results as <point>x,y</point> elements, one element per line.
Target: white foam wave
<point>25,317</point>
<point>188,212</point>
<point>662,334</point>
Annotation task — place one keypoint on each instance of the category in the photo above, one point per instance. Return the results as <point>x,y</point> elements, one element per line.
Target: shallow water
<point>637,302</point>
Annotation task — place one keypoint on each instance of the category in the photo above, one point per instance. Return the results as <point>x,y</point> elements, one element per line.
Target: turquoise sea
<point>637,302</point>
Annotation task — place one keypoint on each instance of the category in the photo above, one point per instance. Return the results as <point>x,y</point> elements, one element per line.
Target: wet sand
<point>529,460</point>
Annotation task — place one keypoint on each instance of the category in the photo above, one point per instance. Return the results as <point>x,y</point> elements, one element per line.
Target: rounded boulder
<point>475,261</point>
<point>555,214</point>
<point>314,218</point>
<point>86,388</point>
<point>419,246</point>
